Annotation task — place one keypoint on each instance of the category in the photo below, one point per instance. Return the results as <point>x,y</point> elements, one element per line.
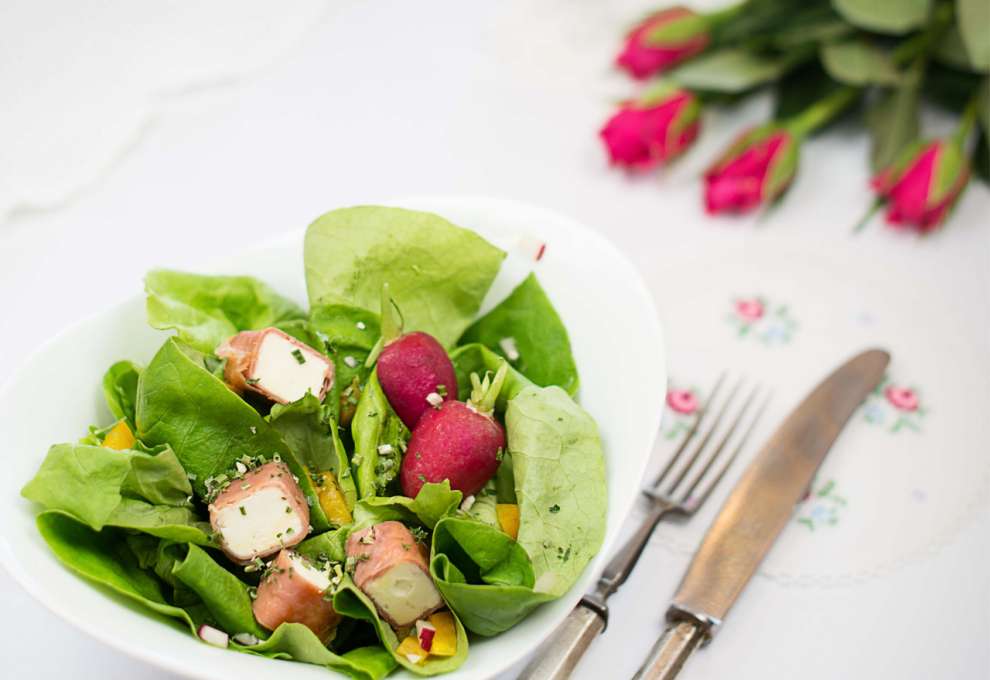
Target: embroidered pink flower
<point>682,401</point>
<point>902,398</point>
<point>756,169</point>
<point>923,184</point>
<point>664,39</point>
<point>750,310</point>
<point>655,129</point>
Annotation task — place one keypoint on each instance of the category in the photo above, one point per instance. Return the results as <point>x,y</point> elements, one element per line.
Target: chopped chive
<point>297,353</point>
<point>554,508</point>
<point>243,511</point>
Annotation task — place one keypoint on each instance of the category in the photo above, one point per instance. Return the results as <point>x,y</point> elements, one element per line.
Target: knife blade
<point>757,510</point>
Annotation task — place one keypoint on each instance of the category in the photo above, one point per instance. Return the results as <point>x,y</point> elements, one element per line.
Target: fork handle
<point>564,650</point>
<point>621,565</point>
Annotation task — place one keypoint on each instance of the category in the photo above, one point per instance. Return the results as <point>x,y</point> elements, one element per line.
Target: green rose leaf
<point>973,17</point>
<point>884,16</point>
<point>856,62</point>
<point>730,70</point>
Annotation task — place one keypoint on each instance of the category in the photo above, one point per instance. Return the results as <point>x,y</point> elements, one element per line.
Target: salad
<point>363,485</point>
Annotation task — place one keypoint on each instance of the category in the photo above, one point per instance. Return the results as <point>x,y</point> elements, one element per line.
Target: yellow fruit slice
<point>120,438</point>
<point>411,651</point>
<point>331,499</point>
<point>508,518</point>
<point>445,640</point>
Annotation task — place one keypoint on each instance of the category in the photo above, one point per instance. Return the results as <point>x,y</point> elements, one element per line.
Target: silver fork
<point>587,620</point>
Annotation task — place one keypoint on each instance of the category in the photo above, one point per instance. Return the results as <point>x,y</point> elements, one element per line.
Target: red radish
<point>460,442</point>
<point>213,636</point>
<point>413,369</point>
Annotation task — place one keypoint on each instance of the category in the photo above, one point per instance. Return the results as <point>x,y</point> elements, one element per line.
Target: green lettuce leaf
<point>310,431</point>
<point>376,425</point>
<point>209,427</point>
<point>350,601</point>
<point>207,310</point>
<point>485,576</point>
<point>476,358</point>
<point>225,595</point>
<point>483,508</point>
<point>120,390</point>
<point>332,544</point>
<point>349,333</point>
<point>296,642</point>
<point>438,273</point>
<point>106,559</point>
<point>127,489</point>
<point>559,470</point>
<point>527,319</point>
<point>433,502</point>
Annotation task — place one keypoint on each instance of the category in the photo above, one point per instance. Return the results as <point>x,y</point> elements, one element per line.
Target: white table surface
<point>374,100</point>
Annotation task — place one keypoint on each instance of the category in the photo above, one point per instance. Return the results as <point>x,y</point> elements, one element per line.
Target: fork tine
<point>693,431</point>
<point>735,454</point>
<point>722,444</point>
<point>704,441</point>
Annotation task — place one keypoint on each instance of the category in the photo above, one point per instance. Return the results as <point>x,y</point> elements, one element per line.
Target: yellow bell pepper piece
<point>508,518</point>
<point>332,500</point>
<point>410,650</point>
<point>445,639</point>
<point>120,438</point>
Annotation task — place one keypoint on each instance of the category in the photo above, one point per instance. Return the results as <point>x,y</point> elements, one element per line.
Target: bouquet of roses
<point>823,58</point>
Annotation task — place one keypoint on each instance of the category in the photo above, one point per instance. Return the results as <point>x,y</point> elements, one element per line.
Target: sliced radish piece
<point>213,636</point>
<point>246,639</point>
<point>424,633</point>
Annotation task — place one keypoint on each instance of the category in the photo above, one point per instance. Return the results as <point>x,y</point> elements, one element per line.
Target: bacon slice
<point>292,591</point>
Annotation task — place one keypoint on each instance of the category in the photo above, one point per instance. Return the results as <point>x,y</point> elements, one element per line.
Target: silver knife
<point>756,511</point>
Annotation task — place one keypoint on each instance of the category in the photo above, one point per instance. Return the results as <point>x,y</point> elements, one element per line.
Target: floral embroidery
<point>895,407</point>
<point>821,508</point>
<point>755,317</point>
<point>682,405</point>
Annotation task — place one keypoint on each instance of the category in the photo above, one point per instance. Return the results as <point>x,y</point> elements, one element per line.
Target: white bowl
<point>56,394</point>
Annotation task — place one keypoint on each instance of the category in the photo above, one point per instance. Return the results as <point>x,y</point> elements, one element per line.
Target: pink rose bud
<point>923,184</point>
<point>663,40</point>
<point>652,130</point>
<point>755,170</point>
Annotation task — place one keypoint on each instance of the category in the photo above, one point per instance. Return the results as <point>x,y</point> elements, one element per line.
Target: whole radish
<point>414,370</point>
<point>457,441</point>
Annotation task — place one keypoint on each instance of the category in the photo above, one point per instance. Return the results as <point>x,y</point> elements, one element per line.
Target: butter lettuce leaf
<point>438,273</point>
<point>559,471</point>
<point>350,601</point>
<point>380,439</point>
<point>485,576</point>
<point>128,489</point>
<point>105,558</point>
<point>349,334</point>
<point>311,432</point>
<point>207,310</point>
<point>527,322</point>
<point>120,390</point>
<point>433,502</point>
<point>209,427</point>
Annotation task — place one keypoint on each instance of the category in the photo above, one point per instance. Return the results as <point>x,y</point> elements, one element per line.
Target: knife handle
<point>670,652</point>
<point>561,654</point>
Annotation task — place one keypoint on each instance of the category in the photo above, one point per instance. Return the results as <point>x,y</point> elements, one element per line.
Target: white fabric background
<point>142,134</point>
